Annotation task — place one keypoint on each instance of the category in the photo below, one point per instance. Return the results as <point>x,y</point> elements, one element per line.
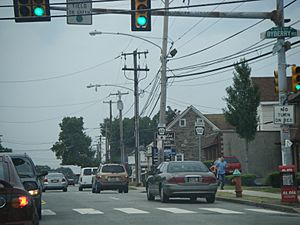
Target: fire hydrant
<point>237,182</point>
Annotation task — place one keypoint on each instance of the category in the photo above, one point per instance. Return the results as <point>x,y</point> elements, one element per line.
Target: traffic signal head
<point>32,10</point>
<point>141,15</point>
<point>276,81</point>
<point>295,78</point>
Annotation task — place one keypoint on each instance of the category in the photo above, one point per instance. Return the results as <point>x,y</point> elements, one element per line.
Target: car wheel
<point>120,190</point>
<point>193,199</point>
<point>125,189</point>
<point>80,188</point>
<point>150,196</point>
<point>65,190</point>
<point>163,196</point>
<point>211,199</point>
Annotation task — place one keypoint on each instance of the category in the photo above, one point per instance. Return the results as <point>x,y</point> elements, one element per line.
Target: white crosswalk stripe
<point>176,210</point>
<point>48,212</point>
<point>88,211</point>
<point>223,211</point>
<point>131,210</point>
<point>266,211</point>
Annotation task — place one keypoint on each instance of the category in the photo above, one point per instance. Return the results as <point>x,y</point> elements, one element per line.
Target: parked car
<point>70,180</point>
<point>111,177</point>
<point>55,181</point>
<point>85,178</point>
<point>32,181</point>
<point>187,179</point>
<point>16,204</point>
<point>232,164</point>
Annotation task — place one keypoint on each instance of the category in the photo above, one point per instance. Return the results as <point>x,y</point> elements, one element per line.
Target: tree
<point>2,149</point>
<point>74,146</point>
<point>242,102</point>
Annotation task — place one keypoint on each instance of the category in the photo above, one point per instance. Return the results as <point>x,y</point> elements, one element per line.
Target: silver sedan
<point>55,181</point>
<point>187,179</point>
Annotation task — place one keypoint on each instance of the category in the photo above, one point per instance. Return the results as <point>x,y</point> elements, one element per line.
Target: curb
<point>261,204</point>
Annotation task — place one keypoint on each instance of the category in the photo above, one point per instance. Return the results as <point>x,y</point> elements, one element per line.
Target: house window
<point>182,123</point>
<point>200,121</point>
<point>179,157</point>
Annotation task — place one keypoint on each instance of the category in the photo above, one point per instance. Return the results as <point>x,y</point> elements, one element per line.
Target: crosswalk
<point>89,211</point>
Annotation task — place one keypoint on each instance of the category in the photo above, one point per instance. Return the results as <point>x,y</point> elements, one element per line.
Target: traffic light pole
<point>282,86</point>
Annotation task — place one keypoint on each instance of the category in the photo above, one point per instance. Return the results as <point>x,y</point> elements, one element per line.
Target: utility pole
<point>163,84</point>
<point>135,69</point>
<point>108,134</point>
<point>282,86</point>
<point>120,108</point>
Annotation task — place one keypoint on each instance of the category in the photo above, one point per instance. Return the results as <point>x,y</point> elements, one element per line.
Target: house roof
<point>188,109</point>
<point>266,87</point>
<point>219,121</point>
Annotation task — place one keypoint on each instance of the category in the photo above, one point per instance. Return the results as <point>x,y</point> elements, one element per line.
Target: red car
<point>16,204</point>
<point>232,164</point>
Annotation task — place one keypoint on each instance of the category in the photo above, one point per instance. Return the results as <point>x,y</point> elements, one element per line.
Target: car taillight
<point>175,180</point>
<point>20,202</point>
<point>209,180</point>
<point>63,180</point>
<point>45,180</point>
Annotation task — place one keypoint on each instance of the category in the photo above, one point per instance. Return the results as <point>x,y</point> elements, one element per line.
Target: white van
<point>85,178</point>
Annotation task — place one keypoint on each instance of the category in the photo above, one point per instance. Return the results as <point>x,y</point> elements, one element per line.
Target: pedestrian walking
<point>221,166</point>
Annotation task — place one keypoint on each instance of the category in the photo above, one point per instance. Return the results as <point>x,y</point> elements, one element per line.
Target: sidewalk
<point>259,198</point>
<point>255,198</point>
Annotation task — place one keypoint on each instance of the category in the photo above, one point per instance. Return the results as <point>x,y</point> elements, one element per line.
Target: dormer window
<point>182,123</point>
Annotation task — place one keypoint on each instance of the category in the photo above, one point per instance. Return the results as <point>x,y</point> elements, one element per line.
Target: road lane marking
<point>114,198</point>
<point>176,210</point>
<point>131,210</point>
<point>88,211</point>
<point>223,211</point>
<point>48,212</point>
<point>266,211</point>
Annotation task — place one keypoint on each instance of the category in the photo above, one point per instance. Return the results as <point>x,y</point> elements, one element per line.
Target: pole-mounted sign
<point>79,12</point>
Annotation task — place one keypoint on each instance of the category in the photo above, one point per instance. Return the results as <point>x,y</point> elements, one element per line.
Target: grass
<point>256,188</point>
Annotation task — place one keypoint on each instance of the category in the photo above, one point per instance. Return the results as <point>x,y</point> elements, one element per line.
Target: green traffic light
<point>297,87</point>
<point>141,20</point>
<point>39,11</point>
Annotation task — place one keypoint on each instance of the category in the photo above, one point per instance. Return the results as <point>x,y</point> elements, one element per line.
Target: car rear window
<point>23,166</point>
<point>186,167</point>
<point>87,172</point>
<point>231,160</point>
<point>113,169</point>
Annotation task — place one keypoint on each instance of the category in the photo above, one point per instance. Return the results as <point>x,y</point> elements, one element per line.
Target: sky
<point>46,67</point>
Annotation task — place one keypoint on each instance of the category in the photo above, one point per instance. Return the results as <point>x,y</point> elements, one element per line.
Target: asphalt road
<point>113,208</point>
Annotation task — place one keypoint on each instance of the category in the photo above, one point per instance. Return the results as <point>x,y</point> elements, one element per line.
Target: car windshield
<point>24,167</point>
<point>113,169</point>
<point>175,167</point>
<point>87,172</point>
<point>54,175</point>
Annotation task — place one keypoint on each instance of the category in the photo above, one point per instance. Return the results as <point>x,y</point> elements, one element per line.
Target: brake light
<point>20,202</point>
<point>175,180</point>
<point>209,180</point>
<point>45,180</point>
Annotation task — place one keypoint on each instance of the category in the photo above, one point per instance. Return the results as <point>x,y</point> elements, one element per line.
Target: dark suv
<point>32,181</point>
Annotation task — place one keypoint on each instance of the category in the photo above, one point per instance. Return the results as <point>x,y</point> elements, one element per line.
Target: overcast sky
<point>46,66</point>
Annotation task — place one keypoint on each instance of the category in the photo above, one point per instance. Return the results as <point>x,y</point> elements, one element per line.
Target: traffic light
<point>295,78</point>
<point>32,10</point>
<point>141,15</point>
<point>276,81</point>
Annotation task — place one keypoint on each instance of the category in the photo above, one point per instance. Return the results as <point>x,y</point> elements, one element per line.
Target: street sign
<point>161,130</point>
<point>276,32</point>
<point>79,12</point>
<point>284,114</point>
<point>199,130</point>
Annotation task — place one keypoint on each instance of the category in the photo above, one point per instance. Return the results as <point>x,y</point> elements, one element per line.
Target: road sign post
<point>79,12</point>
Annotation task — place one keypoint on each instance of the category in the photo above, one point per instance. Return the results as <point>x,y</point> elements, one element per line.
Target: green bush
<point>247,179</point>
<point>273,179</point>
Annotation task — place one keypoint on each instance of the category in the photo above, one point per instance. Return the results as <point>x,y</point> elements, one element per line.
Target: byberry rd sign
<point>276,32</point>
<point>79,12</point>
<point>284,114</point>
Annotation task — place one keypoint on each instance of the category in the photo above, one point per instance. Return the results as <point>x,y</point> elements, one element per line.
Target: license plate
<point>54,181</point>
<point>113,179</point>
<point>193,179</point>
